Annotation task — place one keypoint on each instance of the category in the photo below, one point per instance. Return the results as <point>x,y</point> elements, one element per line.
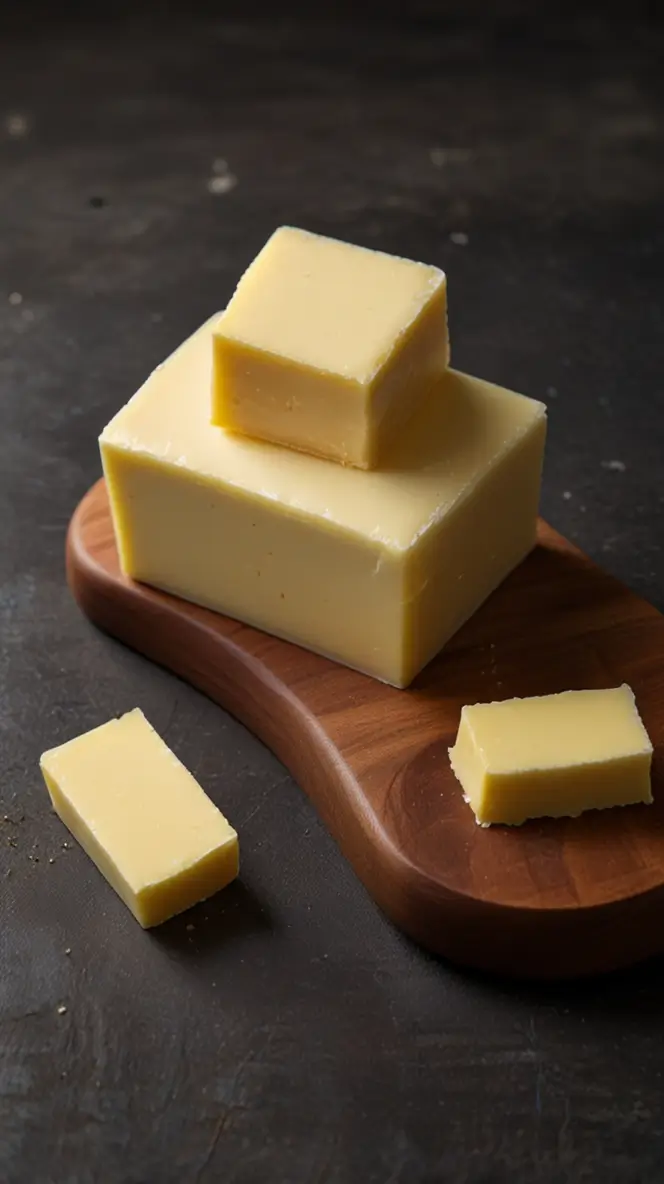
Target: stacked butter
<point>308,463</point>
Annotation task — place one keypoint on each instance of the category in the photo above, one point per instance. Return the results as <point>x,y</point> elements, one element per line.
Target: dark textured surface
<point>291,1035</point>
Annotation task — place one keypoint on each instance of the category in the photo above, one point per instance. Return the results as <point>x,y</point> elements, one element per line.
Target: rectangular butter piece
<point>373,569</point>
<point>328,348</point>
<point>141,817</point>
<point>552,755</point>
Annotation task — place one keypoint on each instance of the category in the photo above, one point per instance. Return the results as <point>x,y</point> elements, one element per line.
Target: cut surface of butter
<point>552,755</point>
<point>142,818</point>
<point>373,569</point>
<point>327,347</point>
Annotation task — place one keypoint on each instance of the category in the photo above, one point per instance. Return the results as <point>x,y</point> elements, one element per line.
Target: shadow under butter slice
<point>142,818</point>
<point>552,755</point>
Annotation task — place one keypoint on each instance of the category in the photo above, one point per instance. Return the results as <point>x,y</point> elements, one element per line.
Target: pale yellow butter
<point>552,755</point>
<point>141,817</point>
<point>374,569</point>
<point>327,347</point>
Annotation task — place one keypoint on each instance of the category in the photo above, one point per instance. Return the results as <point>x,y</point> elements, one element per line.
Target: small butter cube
<point>327,347</point>
<point>552,755</point>
<point>141,817</point>
<point>373,569</point>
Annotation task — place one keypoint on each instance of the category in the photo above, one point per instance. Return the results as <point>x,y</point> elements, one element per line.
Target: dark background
<point>285,1032</point>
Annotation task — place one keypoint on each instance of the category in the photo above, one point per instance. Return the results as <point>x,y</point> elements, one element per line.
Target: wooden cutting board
<point>551,899</point>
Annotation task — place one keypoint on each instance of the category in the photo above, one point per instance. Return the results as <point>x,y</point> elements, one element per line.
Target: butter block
<point>141,817</point>
<point>328,348</point>
<point>552,755</point>
<point>373,569</point>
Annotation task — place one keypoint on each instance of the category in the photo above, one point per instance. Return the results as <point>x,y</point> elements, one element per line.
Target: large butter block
<point>327,347</point>
<point>373,569</point>
<point>141,817</point>
<point>552,755</point>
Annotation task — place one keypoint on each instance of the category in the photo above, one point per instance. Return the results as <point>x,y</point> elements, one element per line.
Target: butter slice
<point>327,347</point>
<point>141,817</point>
<point>552,755</point>
<point>373,569</point>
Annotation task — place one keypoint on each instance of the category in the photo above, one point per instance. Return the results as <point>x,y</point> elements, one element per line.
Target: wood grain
<point>551,899</point>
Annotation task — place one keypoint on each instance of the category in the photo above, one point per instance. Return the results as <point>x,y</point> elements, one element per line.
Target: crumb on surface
<point>439,157</point>
<point>17,124</point>
<point>221,184</point>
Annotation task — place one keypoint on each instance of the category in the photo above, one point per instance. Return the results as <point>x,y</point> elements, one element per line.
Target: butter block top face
<point>327,347</point>
<point>138,802</point>
<point>464,428</point>
<point>327,304</point>
<point>556,731</point>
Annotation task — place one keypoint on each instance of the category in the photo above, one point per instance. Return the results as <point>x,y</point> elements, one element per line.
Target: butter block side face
<point>560,793</point>
<point>468,553</point>
<point>248,558</point>
<point>373,569</point>
<point>552,756</point>
<point>420,357</point>
<point>141,817</point>
<point>271,398</point>
<point>328,348</point>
